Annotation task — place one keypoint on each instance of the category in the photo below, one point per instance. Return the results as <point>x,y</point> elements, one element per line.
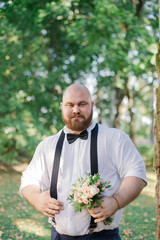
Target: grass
<point>18,220</point>
<point>138,220</point>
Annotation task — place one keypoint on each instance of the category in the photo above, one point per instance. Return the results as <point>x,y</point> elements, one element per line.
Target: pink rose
<point>85,189</point>
<point>90,195</point>
<point>98,183</point>
<point>75,195</point>
<point>85,201</point>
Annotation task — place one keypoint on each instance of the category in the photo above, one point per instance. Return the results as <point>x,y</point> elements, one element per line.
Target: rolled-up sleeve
<point>129,161</point>
<point>37,171</point>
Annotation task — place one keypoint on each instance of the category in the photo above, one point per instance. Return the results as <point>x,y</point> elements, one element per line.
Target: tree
<point>61,42</point>
<point>127,64</point>
<point>157,147</point>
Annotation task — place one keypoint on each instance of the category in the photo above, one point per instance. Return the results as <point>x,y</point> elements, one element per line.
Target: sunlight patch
<point>31,226</point>
<point>149,190</point>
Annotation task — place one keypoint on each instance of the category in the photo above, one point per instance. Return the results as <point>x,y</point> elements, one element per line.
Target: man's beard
<point>77,124</point>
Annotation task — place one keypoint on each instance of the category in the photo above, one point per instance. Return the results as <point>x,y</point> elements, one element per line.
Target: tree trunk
<point>157,163</point>
<point>119,93</point>
<point>152,139</point>
<point>98,105</point>
<point>131,114</point>
<point>157,148</point>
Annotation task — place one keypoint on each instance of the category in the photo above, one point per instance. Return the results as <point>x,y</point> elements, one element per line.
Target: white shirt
<point>117,159</point>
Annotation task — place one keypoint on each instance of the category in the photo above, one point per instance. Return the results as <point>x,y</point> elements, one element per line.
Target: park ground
<point>18,220</point>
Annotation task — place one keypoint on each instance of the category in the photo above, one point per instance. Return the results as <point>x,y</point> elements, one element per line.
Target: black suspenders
<point>93,150</point>
<point>57,156</point>
<point>94,162</point>
<point>93,159</point>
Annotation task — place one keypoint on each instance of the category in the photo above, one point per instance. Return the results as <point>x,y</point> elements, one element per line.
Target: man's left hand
<point>108,208</point>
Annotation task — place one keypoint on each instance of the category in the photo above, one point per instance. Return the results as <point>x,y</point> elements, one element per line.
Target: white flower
<point>84,198</point>
<point>87,181</point>
<point>93,190</point>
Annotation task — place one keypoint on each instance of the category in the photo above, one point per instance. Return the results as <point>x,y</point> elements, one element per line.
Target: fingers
<point>55,202</point>
<point>98,215</point>
<point>50,212</point>
<point>100,219</point>
<point>50,206</point>
<point>55,207</point>
<point>102,212</point>
<point>94,210</point>
<point>52,209</point>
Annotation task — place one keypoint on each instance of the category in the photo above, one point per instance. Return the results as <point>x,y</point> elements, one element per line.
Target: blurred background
<point>107,45</point>
<point>45,46</point>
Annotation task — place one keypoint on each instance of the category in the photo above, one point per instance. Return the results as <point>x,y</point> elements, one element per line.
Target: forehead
<point>76,95</point>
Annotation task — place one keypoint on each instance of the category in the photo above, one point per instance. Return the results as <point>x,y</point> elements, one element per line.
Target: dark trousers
<point>103,235</point>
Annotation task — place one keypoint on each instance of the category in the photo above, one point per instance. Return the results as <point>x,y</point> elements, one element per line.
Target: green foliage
<point>60,42</point>
<point>147,152</point>
<point>77,207</point>
<point>8,150</point>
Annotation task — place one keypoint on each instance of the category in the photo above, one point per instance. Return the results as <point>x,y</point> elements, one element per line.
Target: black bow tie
<point>72,137</point>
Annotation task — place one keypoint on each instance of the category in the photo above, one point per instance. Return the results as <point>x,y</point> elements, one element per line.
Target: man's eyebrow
<point>68,103</point>
<point>76,103</point>
<point>83,102</point>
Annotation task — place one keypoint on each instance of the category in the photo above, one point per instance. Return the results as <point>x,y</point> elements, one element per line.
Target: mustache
<point>78,115</point>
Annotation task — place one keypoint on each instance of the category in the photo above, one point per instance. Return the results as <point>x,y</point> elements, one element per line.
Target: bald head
<point>76,87</point>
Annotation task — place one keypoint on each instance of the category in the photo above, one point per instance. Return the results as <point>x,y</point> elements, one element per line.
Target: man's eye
<point>82,104</point>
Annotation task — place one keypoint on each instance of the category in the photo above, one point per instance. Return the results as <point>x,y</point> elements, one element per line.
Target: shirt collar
<point>89,129</point>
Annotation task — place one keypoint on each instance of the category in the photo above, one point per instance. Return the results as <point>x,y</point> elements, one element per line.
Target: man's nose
<point>76,109</point>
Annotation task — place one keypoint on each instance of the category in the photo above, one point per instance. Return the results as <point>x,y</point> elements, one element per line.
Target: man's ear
<point>61,104</point>
<point>92,104</point>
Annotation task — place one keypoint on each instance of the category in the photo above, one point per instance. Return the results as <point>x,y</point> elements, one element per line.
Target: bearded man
<point>60,159</point>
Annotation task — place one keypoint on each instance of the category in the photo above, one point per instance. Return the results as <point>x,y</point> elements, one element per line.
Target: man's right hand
<point>42,201</point>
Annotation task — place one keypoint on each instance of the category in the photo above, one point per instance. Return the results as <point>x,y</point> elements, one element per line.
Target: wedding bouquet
<point>87,191</point>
